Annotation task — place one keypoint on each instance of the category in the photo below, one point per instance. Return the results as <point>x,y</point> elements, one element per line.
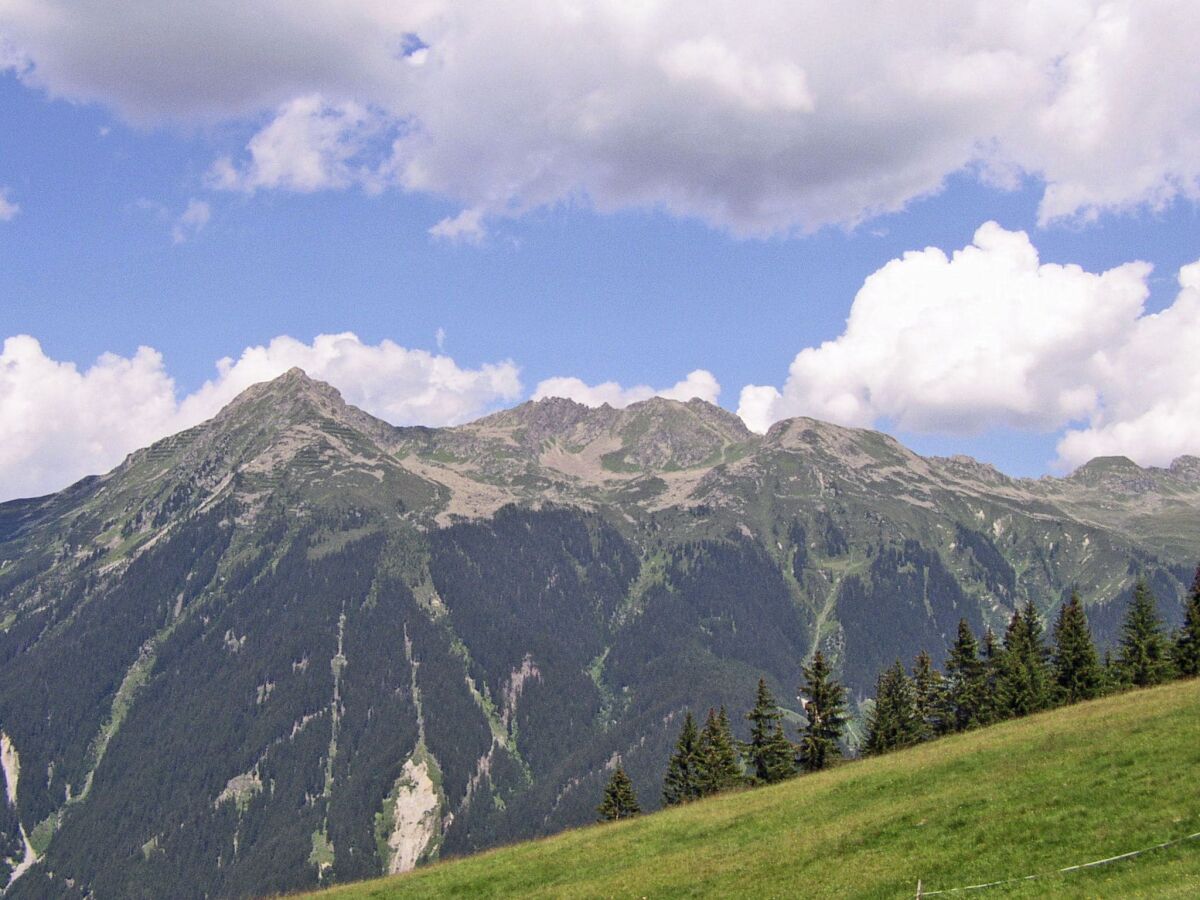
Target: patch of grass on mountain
<point>1029,796</point>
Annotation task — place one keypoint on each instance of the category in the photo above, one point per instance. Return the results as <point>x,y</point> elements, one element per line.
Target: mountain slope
<point>1026,797</point>
<point>296,644</point>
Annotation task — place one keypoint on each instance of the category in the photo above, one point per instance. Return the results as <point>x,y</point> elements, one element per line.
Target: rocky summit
<point>296,644</point>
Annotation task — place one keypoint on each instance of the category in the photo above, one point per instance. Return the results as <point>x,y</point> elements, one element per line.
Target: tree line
<point>985,681</point>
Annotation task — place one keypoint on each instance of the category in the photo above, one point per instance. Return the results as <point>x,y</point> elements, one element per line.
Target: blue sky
<point>635,265</point>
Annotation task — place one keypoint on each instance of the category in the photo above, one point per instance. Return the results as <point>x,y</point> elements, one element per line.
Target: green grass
<point>1030,796</point>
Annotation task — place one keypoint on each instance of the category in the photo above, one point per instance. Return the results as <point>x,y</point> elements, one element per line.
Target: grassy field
<point>1030,796</point>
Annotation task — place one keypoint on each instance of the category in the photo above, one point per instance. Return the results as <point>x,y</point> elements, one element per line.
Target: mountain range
<point>296,644</point>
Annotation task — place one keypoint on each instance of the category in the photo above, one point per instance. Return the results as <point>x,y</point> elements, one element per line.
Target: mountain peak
<point>295,383</point>
<point>547,418</point>
<point>729,424</point>
<point>600,442</point>
<point>1187,468</point>
<point>802,430</point>
<point>295,398</point>
<point>1114,473</point>
<point>270,421</point>
<point>1101,467</point>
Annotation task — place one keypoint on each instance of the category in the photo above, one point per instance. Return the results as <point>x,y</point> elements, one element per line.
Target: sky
<point>973,227</point>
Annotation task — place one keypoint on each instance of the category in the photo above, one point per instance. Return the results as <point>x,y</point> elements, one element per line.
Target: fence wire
<point>1088,865</point>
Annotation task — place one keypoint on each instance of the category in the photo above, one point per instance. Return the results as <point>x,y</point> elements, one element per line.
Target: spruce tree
<point>1144,658</point>
<point>1024,682</point>
<point>1187,642</point>
<point>728,738</point>
<point>991,656</point>
<point>825,709</point>
<point>781,756</point>
<point>893,722</point>
<point>1077,674</point>
<point>964,693</point>
<point>1110,674</point>
<point>680,784</point>
<point>717,768</point>
<point>929,689</point>
<point>620,801</point>
<point>768,753</point>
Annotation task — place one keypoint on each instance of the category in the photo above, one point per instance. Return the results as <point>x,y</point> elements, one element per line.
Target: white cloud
<point>987,336</point>
<point>757,118</point>
<point>61,423</point>
<point>781,86</point>
<point>191,221</point>
<point>399,385</point>
<point>699,383</point>
<point>8,208</point>
<point>1150,385</point>
<point>466,227</point>
<point>10,56</point>
<point>990,337</point>
<point>310,145</point>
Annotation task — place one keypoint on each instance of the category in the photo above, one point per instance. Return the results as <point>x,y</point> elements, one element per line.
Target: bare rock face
<point>415,823</point>
<point>1187,468</point>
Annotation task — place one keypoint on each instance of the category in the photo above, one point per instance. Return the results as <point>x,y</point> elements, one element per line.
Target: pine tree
<point>929,690</point>
<point>1110,674</point>
<point>728,738</point>
<point>781,756</point>
<point>991,656</point>
<point>620,801</point>
<point>1187,642</point>
<point>768,753</point>
<point>1077,674</point>
<point>893,722</point>
<point>717,768</point>
<point>680,784</point>
<point>1144,659</point>
<point>965,687</point>
<point>826,712</point>
<point>1024,683</point>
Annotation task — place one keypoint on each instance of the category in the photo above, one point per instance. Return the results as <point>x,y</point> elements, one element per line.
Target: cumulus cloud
<point>990,336</point>
<point>1150,385</point>
<point>10,57</point>
<point>709,62</point>
<point>62,423</point>
<point>310,145</point>
<point>8,208</point>
<point>397,384</point>
<point>763,118</point>
<point>700,383</point>
<point>985,336</point>
<point>466,227</point>
<point>191,221</point>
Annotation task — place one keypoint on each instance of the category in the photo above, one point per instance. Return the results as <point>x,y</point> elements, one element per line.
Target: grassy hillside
<point>1035,795</point>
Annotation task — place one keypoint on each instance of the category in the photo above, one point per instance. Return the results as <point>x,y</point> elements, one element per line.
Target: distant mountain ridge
<point>297,644</point>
